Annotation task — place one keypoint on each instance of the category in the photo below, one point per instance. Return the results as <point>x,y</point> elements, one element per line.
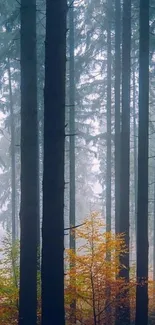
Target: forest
<point>77,162</point>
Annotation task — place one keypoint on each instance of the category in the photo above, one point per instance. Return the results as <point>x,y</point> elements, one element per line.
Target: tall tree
<point>108,162</point>
<point>72,144</point>
<point>108,153</point>
<point>135,144</point>
<point>117,111</point>
<point>13,159</point>
<point>117,120</point>
<point>142,208</point>
<point>53,169</point>
<point>72,123</point>
<point>29,211</point>
<point>125,147</point>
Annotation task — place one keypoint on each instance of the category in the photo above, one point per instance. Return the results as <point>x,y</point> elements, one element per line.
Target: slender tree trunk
<point>125,150</point>
<point>72,146</point>
<point>108,158</point>
<point>135,146</point>
<point>40,135</point>
<point>13,160</point>
<point>53,170</point>
<point>29,167</point>
<point>142,208</point>
<point>93,298</point>
<point>117,112</point>
<point>108,164</point>
<point>117,123</point>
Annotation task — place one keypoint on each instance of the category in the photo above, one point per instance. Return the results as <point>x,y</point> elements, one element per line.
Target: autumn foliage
<point>9,280</point>
<point>92,284</point>
<point>96,287</point>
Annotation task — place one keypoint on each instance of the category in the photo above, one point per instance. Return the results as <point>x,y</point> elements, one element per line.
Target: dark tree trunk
<point>135,146</point>
<point>40,157</point>
<point>53,170</point>
<point>72,125</point>
<point>125,149</point>
<point>108,163</point>
<point>72,145</point>
<point>117,112</point>
<point>29,167</point>
<point>117,123</point>
<point>142,208</point>
<point>13,160</point>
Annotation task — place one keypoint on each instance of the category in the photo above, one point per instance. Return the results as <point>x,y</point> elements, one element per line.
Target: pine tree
<point>108,162</point>
<point>117,111</point>
<point>53,166</point>
<point>135,144</point>
<point>29,167</point>
<point>72,143</point>
<point>125,147</point>
<point>13,159</point>
<point>142,208</point>
<point>29,210</point>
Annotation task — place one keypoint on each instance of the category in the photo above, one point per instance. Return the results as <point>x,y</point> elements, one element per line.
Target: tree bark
<point>117,112</point>
<point>53,169</point>
<point>142,208</point>
<point>108,155</point>
<point>125,150</point>
<point>117,123</point>
<point>108,163</point>
<point>29,212</point>
<point>72,146</point>
<point>135,147</point>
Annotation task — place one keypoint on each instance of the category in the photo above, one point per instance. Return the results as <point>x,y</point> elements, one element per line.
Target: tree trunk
<point>117,123</point>
<point>108,163</point>
<point>13,160</point>
<point>117,112</point>
<point>108,158</point>
<point>142,208</point>
<point>29,167</point>
<point>72,145</point>
<point>135,147</point>
<point>53,170</point>
<point>125,150</point>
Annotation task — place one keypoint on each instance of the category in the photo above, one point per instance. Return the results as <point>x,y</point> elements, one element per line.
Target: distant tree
<point>53,165</point>
<point>108,144</point>
<point>29,210</point>
<point>13,158</point>
<point>142,212</point>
